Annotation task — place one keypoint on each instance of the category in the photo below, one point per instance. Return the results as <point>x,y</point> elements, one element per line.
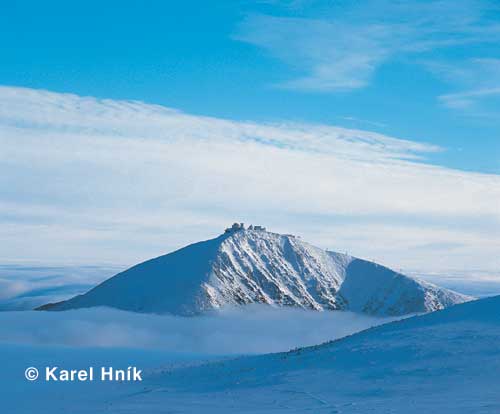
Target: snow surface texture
<point>256,266</point>
<point>442,362</point>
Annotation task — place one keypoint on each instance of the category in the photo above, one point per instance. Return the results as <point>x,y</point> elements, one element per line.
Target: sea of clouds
<point>250,329</point>
<point>25,286</point>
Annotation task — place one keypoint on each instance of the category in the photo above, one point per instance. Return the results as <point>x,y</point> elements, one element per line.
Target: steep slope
<point>166,284</point>
<point>248,266</point>
<point>375,289</point>
<point>446,362</point>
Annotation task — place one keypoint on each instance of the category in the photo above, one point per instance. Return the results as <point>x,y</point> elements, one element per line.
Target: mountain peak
<point>253,265</point>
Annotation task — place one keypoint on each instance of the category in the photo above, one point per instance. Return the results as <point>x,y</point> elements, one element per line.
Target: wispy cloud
<point>343,51</point>
<point>88,180</point>
<point>477,82</point>
<point>468,99</point>
<point>329,53</point>
<point>365,122</point>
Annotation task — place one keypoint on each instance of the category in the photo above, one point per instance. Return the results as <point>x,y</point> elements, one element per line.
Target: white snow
<point>443,362</point>
<point>255,266</point>
<point>97,337</point>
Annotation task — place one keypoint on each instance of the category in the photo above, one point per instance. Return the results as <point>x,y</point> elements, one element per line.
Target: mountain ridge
<point>252,265</point>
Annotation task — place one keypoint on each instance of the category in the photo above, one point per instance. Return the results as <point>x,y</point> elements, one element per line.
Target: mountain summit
<point>253,265</point>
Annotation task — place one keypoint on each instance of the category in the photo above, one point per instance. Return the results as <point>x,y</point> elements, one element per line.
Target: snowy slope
<point>249,266</point>
<point>442,362</point>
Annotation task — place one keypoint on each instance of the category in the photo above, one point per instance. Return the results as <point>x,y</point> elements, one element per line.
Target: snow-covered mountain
<point>253,265</point>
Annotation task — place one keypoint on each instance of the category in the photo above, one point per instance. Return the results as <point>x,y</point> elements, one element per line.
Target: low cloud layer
<point>85,180</point>
<point>24,287</point>
<point>251,329</point>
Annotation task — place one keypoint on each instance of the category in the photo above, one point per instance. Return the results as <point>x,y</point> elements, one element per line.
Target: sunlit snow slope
<point>441,362</point>
<point>248,266</point>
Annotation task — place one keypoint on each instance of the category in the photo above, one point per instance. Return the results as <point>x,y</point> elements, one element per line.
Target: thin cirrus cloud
<point>101,181</point>
<point>475,83</point>
<point>344,50</point>
<point>331,56</point>
<point>468,99</point>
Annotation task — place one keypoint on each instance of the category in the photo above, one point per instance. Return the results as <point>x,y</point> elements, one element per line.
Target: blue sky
<point>128,129</point>
<point>424,70</point>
